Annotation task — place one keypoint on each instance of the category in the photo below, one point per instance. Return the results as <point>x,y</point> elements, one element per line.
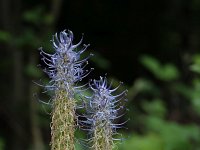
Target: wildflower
<point>64,69</point>
<point>102,111</point>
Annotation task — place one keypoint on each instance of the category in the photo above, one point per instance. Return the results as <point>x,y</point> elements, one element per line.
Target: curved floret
<point>103,109</point>
<point>64,67</point>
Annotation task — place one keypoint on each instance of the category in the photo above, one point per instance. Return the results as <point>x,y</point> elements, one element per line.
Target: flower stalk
<point>63,122</point>
<point>102,111</point>
<point>64,68</point>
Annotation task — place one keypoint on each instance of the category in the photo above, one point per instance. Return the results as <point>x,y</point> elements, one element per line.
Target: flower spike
<point>65,70</point>
<point>102,111</point>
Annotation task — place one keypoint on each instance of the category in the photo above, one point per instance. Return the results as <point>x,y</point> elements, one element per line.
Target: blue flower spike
<point>102,112</point>
<point>65,69</point>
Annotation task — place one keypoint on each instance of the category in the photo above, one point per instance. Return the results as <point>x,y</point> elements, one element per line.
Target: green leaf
<point>146,142</point>
<point>151,63</point>
<point>155,108</point>
<point>34,16</point>
<point>174,136</point>
<point>5,36</point>
<point>196,63</point>
<point>166,72</point>
<point>195,68</point>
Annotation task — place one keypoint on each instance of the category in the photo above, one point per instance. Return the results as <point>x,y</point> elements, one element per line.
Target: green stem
<point>102,139</point>
<point>63,122</point>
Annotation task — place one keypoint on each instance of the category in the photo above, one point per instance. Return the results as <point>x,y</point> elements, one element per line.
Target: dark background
<point>152,46</point>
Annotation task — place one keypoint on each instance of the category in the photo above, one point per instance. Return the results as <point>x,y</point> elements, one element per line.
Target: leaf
<point>146,142</point>
<point>166,72</point>
<point>151,63</point>
<point>196,63</point>
<point>155,108</point>
<point>34,16</point>
<point>195,68</point>
<point>174,136</point>
<point>5,36</point>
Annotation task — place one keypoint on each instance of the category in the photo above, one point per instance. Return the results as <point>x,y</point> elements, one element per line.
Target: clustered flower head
<point>65,68</point>
<point>102,111</point>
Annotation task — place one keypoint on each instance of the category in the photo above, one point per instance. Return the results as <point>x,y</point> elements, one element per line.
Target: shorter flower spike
<point>102,110</point>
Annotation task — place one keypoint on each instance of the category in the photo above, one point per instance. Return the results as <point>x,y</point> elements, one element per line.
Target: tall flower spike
<point>64,68</point>
<point>103,109</point>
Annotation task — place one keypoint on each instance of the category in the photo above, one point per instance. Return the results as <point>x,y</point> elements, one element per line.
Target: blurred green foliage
<point>164,87</point>
<point>4,36</point>
<point>159,133</point>
<point>196,64</point>
<point>164,135</point>
<point>165,72</point>
<point>2,144</point>
<point>38,16</point>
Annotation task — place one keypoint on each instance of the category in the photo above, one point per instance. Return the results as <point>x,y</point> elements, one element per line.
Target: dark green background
<point>152,46</point>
